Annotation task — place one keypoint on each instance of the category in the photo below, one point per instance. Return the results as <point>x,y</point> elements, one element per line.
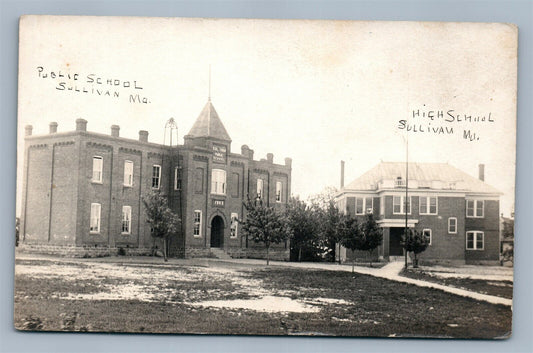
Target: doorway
<point>217,232</point>
<point>395,241</point>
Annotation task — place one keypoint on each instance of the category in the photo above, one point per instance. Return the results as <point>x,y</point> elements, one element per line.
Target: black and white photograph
<point>265,177</point>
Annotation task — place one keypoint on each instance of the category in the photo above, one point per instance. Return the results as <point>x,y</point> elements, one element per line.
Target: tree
<point>372,235</point>
<point>351,236</point>
<point>415,242</point>
<point>264,225</point>
<point>303,223</point>
<point>331,224</point>
<point>163,221</point>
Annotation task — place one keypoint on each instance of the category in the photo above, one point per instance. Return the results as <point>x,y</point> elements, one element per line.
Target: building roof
<point>208,124</point>
<point>421,172</point>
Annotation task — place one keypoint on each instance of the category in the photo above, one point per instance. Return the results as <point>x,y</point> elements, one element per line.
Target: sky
<point>316,91</point>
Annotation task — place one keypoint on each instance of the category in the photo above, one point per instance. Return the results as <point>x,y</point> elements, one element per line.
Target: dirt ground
<point>211,297</point>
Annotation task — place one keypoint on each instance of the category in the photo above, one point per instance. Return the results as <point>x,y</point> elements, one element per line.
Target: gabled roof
<point>425,172</point>
<point>208,124</point>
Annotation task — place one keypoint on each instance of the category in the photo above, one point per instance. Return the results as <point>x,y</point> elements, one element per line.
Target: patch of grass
<point>502,289</point>
<point>375,307</point>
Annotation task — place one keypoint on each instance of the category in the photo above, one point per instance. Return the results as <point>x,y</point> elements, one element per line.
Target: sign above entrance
<point>218,203</point>
<point>219,153</point>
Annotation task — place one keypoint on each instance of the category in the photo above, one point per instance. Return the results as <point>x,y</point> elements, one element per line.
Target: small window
<point>369,205</point>
<point>98,166</point>
<point>197,229</point>
<point>156,176</point>
<point>126,219</point>
<point>359,207</point>
<point>475,208</point>
<point>177,178</point>
<point>128,173</point>
<point>398,205</point>
<point>234,184</point>
<point>428,205</point>
<point>427,234</point>
<point>259,188</point>
<point>475,240</point>
<point>279,191</point>
<point>452,225</point>
<point>94,226</point>
<point>218,182</point>
<point>234,225</point>
<point>199,181</point>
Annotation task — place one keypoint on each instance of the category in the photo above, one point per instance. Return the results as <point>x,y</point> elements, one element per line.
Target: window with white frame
<point>197,228</point>
<point>398,205</point>
<point>279,190</point>
<point>475,208</point>
<point>259,190</point>
<point>98,166</point>
<point>364,205</point>
<point>156,176</point>
<point>126,219</point>
<point>428,205</point>
<point>475,240</point>
<point>234,228</point>
<point>177,178</point>
<point>452,225</point>
<point>128,173</point>
<point>218,182</point>
<point>94,226</point>
<point>427,234</point>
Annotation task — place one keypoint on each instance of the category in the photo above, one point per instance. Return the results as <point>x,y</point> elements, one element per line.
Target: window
<point>234,225</point>
<point>359,205</point>
<point>98,166</point>
<point>474,240</point>
<point>364,205</point>
<point>398,205</point>
<point>399,182</point>
<point>452,225</point>
<point>218,182</point>
<point>177,178</point>
<point>199,181</point>
<point>234,184</point>
<point>197,229</point>
<point>156,176</point>
<point>474,208</point>
<point>279,190</point>
<point>94,226</point>
<point>427,234</point>
<point>126,219</point>
<point>259,188</point>
<point>428,205</point>
<point>128,173</point>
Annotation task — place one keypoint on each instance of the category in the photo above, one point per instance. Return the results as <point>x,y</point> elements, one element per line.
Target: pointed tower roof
<point>208,124</point>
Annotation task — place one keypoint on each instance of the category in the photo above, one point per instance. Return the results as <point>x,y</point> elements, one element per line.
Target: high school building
<point>458,213</point>
<point>83,190</point>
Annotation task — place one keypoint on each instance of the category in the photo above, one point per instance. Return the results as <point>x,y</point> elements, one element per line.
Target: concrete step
<point>220,254</point>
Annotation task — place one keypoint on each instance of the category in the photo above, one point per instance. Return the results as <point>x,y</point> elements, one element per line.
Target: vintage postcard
<point>265,177</point>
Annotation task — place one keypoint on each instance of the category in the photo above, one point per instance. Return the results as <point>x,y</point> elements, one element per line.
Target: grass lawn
<point>502,289</point>
<point>110,297</point>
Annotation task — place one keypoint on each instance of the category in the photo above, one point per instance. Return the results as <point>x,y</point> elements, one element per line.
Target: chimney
<point>115,129</point>
<point>53,127</point>
<point>342,174</point>
<point>81,125</point>
<point>28,130</point>
<point>143,135</point>
<point>270,158</point>
<point>482,172</point>
<point>288,162</point>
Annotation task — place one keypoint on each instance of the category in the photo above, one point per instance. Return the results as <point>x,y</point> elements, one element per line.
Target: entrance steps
<point>399,259</point>
<point>220,254</point>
